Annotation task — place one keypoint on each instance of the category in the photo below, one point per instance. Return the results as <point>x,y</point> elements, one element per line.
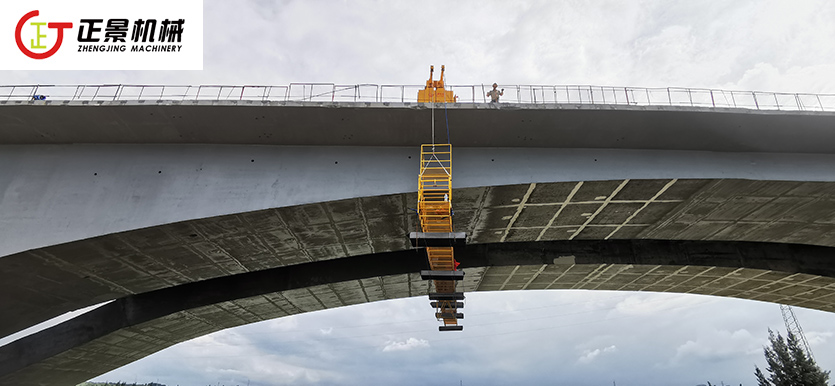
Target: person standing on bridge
<point>494,94</point>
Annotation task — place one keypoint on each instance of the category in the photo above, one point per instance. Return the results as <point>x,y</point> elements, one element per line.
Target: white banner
<point>101,35</point>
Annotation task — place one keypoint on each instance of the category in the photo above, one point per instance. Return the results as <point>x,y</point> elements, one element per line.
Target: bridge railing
<point>331,92</point>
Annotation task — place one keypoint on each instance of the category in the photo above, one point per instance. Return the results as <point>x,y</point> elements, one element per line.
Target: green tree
<point>788,364</point>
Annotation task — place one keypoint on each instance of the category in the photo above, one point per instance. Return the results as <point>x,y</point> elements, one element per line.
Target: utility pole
<point>793,326</point>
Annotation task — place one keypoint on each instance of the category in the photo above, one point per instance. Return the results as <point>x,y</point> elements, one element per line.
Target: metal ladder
<point>435,213</point>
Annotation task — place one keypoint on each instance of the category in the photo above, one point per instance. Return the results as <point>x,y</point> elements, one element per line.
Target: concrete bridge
<point>196,216</point>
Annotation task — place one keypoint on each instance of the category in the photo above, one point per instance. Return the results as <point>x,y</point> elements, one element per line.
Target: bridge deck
<point>406,124</point>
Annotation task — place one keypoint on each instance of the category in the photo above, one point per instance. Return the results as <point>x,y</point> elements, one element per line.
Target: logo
<point>101,35</point>
<point>36,42</point>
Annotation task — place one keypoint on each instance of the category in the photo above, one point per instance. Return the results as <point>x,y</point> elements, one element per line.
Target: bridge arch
<point>187,210</point>
<point>47,282</point>
<point>135,326</point>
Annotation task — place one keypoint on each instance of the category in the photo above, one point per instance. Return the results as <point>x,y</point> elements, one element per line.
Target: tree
<point>789,365</point>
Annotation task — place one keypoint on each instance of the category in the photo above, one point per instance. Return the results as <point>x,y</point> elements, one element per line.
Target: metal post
<point>626,92</point>
<point>776,101</point>
<point>669,96</point>
<point>819,102</point>
<point>755,100</point>
<point>712,102</point>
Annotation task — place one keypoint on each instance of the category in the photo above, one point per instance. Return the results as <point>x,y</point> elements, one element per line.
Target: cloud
<point>590,355</point>
<point>327,331</point>
<point>816,338</point>
<point>718,345</point>
<point>408,344</point>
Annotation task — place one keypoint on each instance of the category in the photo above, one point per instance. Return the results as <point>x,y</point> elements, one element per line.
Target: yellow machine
<point>435,213</point>
<point>434,210</point>
<point>434,91</point>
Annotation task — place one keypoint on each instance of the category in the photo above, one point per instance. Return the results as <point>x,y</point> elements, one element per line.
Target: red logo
<point>43,55</point>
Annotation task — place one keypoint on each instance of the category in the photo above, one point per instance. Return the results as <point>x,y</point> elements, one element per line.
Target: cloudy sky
<point>555,337</point>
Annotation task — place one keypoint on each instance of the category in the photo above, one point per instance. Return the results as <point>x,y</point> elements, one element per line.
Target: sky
<point>530,337</point>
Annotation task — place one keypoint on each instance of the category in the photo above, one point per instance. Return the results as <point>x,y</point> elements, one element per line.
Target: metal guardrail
<point>331,92</point>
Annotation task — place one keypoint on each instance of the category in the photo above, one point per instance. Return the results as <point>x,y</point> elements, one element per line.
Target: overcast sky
<point>554,337</point>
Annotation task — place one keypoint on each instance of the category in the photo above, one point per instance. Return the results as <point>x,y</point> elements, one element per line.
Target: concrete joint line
<point>518,210</point>
<point>516,268</point>
<point>592,275</point>
<point>562,206</point>
<point>299,246</point>
<point>620,270</point>
<point>481,279</point>
<point>696,199</point>
<point>560,276</point>
<point>779,281</point>
<point>591,202</point>
<point>646,204</point>
<point>717,279</point>
<point>362,288</point>
<point>644,288</point>
<point>535,275</point>
<point>639,277</point>
<point>258,236</point>
<point>698,275</point>
<point>321,303</point>
<point>365,225</point>
<point>68,267</point>
<point>600,209</point>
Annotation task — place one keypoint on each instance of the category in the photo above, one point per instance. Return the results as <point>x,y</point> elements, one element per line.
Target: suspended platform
<point>436,236</point>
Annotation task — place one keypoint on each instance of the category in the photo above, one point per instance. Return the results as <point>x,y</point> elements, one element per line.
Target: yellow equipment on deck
<point>434,91</point>
<point>435,213</point>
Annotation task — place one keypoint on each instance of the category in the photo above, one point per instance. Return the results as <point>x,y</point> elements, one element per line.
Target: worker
<point>494,94</point>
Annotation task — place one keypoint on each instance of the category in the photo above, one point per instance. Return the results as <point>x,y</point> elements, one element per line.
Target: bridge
<point>193,215</point>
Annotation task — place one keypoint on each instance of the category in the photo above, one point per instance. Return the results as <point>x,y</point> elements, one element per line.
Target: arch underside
<point>49,281</point>
<point>139,325</point>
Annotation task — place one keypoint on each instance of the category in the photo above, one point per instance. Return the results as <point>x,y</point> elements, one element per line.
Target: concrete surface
<point>407,124</point>
<point>46,282</point>
<point>106,201</point>
<point>138,325</point>
<point>53,194</point>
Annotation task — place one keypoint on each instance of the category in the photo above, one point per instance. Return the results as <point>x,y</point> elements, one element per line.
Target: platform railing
<point>331,92</point>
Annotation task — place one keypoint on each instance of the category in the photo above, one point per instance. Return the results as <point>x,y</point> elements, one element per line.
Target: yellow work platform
<point>435,213</point>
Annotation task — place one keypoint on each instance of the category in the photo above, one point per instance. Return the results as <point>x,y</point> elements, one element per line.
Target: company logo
<point>36,42</point>
<point>101,35</point>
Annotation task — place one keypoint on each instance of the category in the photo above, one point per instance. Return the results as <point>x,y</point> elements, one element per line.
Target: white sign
<point>101,35</point>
